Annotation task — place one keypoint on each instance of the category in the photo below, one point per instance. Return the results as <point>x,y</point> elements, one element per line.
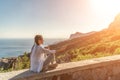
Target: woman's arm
<point>47,51</point>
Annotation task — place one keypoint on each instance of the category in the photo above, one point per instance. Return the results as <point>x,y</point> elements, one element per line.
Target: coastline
<point>15,47</point>
<point>11,63</point>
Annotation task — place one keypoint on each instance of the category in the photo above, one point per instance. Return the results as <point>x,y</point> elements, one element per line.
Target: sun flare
<point>108,7</point>
<point>105,10</point>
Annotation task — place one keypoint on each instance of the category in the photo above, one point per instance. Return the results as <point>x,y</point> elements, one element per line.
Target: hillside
<point>104,42</point>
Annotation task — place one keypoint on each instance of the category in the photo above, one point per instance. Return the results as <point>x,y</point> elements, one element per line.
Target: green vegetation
<point>8,70</point>
<point>100,49</point>
<point>22,62</point>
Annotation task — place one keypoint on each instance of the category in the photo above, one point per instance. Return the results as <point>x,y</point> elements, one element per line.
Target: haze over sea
<point>16,47</point>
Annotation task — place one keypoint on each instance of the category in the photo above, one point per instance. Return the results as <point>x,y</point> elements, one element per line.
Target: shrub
<point>22,62</point>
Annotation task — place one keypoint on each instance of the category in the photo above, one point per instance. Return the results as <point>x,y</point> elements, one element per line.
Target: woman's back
<point>37,59</point>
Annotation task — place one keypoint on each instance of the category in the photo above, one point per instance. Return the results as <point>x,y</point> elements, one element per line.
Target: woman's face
<point>40,42</point>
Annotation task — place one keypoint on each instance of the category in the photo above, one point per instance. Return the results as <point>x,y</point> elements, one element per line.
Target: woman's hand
<point>53,51</point>
<point>47,47</point>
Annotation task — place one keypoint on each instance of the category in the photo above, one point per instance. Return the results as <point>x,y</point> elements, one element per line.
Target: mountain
<point>104,41</point>
<point>75,35</point>
<point>79,34</point>
<point>115,25</point>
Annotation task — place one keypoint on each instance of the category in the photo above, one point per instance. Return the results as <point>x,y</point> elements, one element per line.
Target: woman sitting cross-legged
<point>41,57</point>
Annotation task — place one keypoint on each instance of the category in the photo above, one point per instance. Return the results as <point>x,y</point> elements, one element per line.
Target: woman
<point>40,57</point>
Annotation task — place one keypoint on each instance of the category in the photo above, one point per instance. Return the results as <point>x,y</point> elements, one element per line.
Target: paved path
<point>9,75</point>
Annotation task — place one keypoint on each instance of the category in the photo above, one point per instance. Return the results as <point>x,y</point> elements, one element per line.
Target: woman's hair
<point>38,37</point>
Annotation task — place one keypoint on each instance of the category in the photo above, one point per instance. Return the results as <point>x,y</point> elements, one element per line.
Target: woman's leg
<point>49,59</point>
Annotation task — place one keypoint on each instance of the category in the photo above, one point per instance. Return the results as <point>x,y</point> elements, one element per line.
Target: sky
<point>55,18</point>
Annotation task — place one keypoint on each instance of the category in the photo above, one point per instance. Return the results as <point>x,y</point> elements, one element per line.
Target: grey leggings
<point>49,59</point>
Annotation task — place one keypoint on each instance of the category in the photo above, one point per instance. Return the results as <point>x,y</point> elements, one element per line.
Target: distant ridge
<point>79,34</point>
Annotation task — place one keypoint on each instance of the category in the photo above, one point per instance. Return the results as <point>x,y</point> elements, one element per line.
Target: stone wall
<point>105,68</point>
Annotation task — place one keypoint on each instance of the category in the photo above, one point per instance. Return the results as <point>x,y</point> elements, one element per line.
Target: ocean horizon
<point>16,47</point>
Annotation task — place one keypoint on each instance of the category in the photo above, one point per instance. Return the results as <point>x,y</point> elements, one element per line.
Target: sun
<point>107,7</point>
<point>105,11</point>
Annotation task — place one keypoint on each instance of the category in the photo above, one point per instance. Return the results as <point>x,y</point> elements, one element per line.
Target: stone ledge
<point>68,68</point>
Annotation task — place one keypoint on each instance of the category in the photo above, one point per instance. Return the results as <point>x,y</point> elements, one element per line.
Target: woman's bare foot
<point>53,65</point>
<point>44,69</point>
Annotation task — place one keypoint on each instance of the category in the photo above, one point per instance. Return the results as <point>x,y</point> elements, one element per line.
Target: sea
<point>16,47</point>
